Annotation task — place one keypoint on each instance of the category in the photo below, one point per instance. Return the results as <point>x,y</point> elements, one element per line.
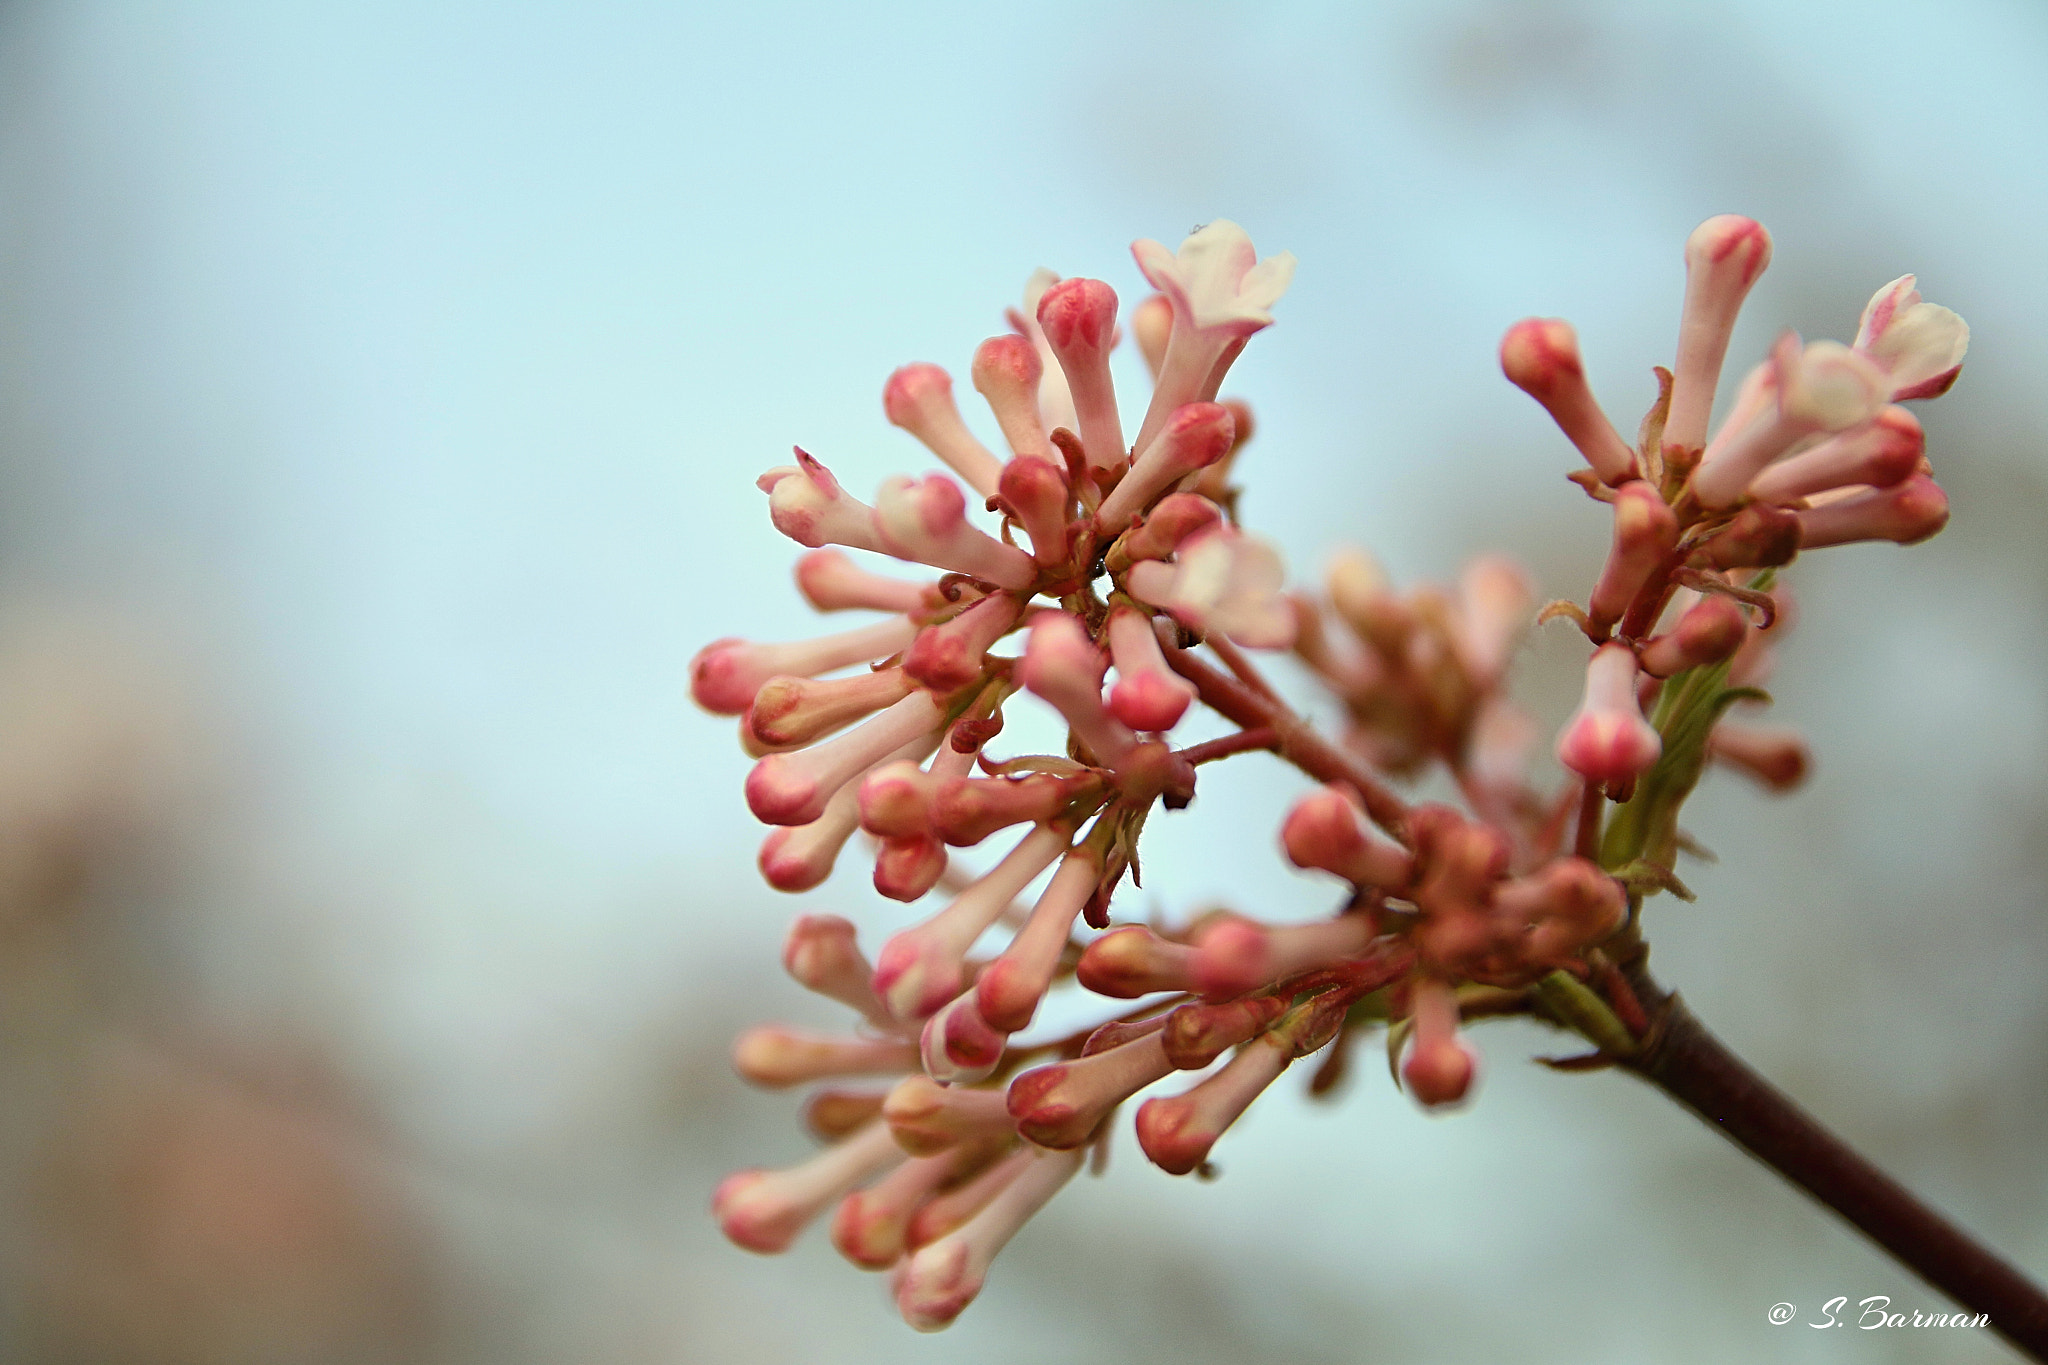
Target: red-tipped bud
<point>1176,518</point>
<point>925,520</point>
<point>1060,1106</point>
<point>1065,667</point>
<point>1723,258</point>
<point>1006,373</point>
<point>1178,1132</point>
<point>908,866</point>
<point>1645,531</point>
<point>919,398</point>
<point>1773,755</point>
<point>800,858</point>
<point>938,1282</point>
<point>765,1210</point>
<point>958,1046</point>
<point>1608,742</point>
<point>1196,1035</point>
<point>1760,536</point>
<point>1036,491</point>
<point>1907,513</point>
<point>1540,356</point>
<point>1078,317</point>
<point>830,581</point>
<point>949,656</point>
<point>792,789</point>
<point>1131,961</point>
<point>776,1056</point>
<point>1325,831</point>
<point>1147,695</point>
<point>727,674</point>
<point>872,1226</point>
<point>789,710</point>
<point>821,954</point>
<point>1234,955</point>
<point>1884,451</point>
<point>1193,437</point>
<point>928,1118</point>
<point>1710,631</point>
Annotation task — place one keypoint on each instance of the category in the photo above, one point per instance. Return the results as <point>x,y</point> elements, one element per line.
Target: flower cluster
<point>947,1123</point>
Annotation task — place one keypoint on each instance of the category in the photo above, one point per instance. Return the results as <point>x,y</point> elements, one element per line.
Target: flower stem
<point>1692,1066</point>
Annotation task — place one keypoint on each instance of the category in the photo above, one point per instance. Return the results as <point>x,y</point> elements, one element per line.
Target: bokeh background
<point>381,387</point>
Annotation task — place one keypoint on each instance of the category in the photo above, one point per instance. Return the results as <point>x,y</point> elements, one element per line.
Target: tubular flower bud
<point>1710,631</point>
<point>1063,666</point>
<point>941,1279</point>
<point>1608,742</point>
<point>1036,491</point>
<point>1325,832</point>
<point>1919,345</point>
<point>1439,1067</point>
<point>1822,386</point>
<point>776,1057</point>
<point>928,1118</point>
<point>1460,863</point>
<point>807,504</point>
<point>1540,356</point>
<point>909,866</point>
<point>1178,1132</point>
<point>1194,436</point>
<point>1055,398</point>
<point>951,1209</point>
<point>1147,695</point>
<point>830,581</point>
<point>1220,293</point>
<point>832,1114</point>
<point>1362,595</point>
<point>872,1226</point>
<point>1907,513</point>
<point>919,398</point>
<point>727,674</point>
<point>1006,372</point>
<point>920,969</point>
<point>925,520</point>
<point>1078,318</point>
<point>1196,1035</point>
<point>1884,451</point>
<point>1645,532</point>
<point>1222,581</point>
<point>790,710</point>
<point>800,857</point>
<point>958,1047</point>
<point>1560,909</point>
<point>1010,988</point>
<point>821,955</point>
<point>1724,256</point>
<point>1758,536</point>
<point>895,800</point>
<point>1118,1032</point>
<point>1131,961</point>
<point>1151,325</point>
<point>1495,601</point>
<point>1060,1106</point>
<point>765,1210</point>
<point>1234,955</point>
<point>1172,520</point>
<point>948,656</point>
<point>965,810</point>
<point>1773,755</point>
<point>792,789</point>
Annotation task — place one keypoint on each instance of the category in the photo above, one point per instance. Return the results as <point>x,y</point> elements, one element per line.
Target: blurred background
<point>381,390</point>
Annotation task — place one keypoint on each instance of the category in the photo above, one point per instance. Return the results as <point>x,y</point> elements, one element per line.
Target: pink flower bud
<point>1886,450</point>
<point>1540,356</point>
<point>1060,1106</point>
<point>1822,386</point>
<point>921,968</point>
<point>1079,320</point>
<point>1131,961</point>
<point>872,1226</point>
<point>1171,521</point>
<point>1907,513</point>
<point>938,1282</point>
<point>954,1207</point>
<point>925,520</point>
<point>1152,326</point>
<point>1009,989</point>
<point>958,1046</point>
<point>1710,631</point>
<point>1773,755</point>
<point>1645,532</point>
<point>908,866</point>
<point>1147,695</point>
<point>1439,1067</point>
<point>791,710</point>
<point>949,656</point>
<point>792,788</point>
<point>1496,601</point>
<point>1723,258</point>
<point>1196,1035</point>
<point>1006,373</point>
<point>1325,831</point>
<point>1192,437</point>
<point>1222,581</point>
<point>726,674</point>
<point>807,504</point>
<point>965,810</point>
<point>821,954</point>
<point>830,581</point>
<point>1919,345</point>
<point>1563,907</point>
<point>1759,536</point>
<point>895,800</point>
<point>1608,742</point>
<point>830,1115</point>
<point>1177,1133</point>
<point>1037,493</point>
<point>800,858</point>
<point>765,1210</point>
<point>1065,667</point>
<point>919,398</point>
<point>1234,955</point>
<point>777,1057</point>
<point>928,1118</point>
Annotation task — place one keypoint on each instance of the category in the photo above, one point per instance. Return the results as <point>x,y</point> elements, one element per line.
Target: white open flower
<point>1921,344</point>
<point>1216,279</point>
<point>1222,581</point>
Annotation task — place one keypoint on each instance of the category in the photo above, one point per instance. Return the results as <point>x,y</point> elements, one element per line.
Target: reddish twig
<point>1208,751</point>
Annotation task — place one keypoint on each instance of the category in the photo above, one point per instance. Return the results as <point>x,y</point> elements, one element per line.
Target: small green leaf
<point>1572,1001</point>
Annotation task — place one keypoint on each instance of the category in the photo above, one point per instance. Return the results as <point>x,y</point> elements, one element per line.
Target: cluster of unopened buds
<point>947,1123</point>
